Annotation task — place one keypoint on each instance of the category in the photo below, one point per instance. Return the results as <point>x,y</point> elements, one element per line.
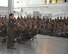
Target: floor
<point>43,44</point>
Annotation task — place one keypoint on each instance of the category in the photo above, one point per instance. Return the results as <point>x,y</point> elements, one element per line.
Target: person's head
<point>11,16</point>
<point>67,17</point>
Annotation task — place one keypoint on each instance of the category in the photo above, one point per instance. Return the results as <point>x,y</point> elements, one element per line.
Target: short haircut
<point>11,14</point>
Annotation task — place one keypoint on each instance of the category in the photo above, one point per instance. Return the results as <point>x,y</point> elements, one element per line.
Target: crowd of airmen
<point>24,29</point>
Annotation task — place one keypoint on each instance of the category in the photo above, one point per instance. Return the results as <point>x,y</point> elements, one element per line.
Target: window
<point>47,1</point>
<point>60,1</point>
<point>18,3</point>
<point>4,3</point>
<point>54,1</point>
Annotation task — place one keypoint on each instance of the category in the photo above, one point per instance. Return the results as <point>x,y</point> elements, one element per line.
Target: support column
<point>10,6</point>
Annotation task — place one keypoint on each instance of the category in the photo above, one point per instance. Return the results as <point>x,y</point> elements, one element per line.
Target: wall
<point>54,9</point>
<point>36,2</point>
<point>67,0</point>
<point>3,10</point>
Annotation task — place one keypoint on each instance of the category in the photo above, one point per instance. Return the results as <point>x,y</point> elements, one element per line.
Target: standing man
<point>10,32</point>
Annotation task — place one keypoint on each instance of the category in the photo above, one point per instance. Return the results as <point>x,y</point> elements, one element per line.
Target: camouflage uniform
<point>10,33</point>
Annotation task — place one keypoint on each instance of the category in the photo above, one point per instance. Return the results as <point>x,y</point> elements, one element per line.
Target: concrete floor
<point>42,45</point>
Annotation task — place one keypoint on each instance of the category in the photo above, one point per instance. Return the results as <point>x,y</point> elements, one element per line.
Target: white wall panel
<point>55,10</point>
<point>3,10</point>
<point>4,3</point>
